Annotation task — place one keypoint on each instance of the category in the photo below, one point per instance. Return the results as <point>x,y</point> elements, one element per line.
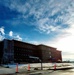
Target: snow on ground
<point>37,65</point>
<point>14,65</point>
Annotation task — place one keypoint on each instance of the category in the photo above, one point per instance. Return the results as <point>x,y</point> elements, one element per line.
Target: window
<point>49,52</point>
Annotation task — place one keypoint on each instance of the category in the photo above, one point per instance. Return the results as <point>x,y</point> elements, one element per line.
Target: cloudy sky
<point>49,22</point>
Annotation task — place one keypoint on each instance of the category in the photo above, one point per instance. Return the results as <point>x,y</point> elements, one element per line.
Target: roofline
<point>30,43</point>
<point>46,46</point>
<point>24,42</point>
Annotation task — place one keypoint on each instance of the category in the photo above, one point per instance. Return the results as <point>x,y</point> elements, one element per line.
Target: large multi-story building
<point>13,51</point>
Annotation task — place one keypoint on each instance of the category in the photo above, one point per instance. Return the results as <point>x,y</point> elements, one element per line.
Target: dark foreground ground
<point>48,72</point>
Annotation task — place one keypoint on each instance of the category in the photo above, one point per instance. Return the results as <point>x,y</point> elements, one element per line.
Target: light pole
<point>41,64</point>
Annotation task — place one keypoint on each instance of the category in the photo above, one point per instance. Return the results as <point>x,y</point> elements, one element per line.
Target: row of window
<point>22,49</point>
<point>22,54</point>
<point>26,45</point>
<point>25,59</point>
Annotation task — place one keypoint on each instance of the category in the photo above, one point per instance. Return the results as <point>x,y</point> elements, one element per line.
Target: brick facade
<point>22,52</point>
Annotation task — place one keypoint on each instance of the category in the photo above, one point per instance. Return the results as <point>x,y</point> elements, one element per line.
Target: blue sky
<point>49,22</point>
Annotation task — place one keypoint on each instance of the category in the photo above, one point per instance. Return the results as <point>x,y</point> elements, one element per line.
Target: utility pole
<point>41,64</point>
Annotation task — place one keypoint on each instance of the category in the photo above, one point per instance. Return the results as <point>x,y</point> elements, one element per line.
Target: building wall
<point>50,54</point>
<point>22,52</point>
<point>45,53</point>
<point>8,51</point>
<point>56,55</point>
<point>1,51</point>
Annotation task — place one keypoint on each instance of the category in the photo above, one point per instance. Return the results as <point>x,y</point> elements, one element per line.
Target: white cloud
<point>10,33</point>
<point>2,33</point>
<point>61,11</point>
<point>14,36</point>
<point>18,38</point>
<point>2,30</point>
<point>1,37</point>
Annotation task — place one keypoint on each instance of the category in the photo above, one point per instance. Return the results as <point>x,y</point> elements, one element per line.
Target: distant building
<point>13,51</point>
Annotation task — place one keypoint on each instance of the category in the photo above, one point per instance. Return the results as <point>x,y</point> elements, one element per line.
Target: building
<point>13,51</point>
<point>49,54</point>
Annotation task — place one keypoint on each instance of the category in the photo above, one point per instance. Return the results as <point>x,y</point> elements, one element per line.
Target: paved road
<point>60,72</point>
